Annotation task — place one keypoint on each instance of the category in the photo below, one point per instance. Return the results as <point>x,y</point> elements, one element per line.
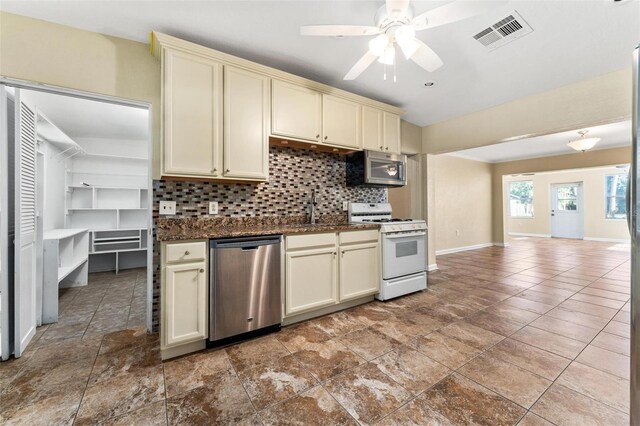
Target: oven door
<point>403,253</point>
<point>389,170</point>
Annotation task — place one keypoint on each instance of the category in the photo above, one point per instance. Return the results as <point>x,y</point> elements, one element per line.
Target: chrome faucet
<point>312,206</point>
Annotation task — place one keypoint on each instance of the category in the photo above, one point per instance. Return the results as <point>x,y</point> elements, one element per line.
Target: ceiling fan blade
<point>452,12</point>
<point>426,57</point>
<point>362,64</point>
<point>338,30</point>
<point>396,8</point>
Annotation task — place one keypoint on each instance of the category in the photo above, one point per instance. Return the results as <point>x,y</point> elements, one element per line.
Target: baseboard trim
<point>432,267</point>
<point>501,244</point>
<point>524,234</point>
<point>465,248</point>
<point>607,240</point>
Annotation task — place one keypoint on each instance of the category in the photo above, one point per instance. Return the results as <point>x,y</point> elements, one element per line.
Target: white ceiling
<point>571,41</point>
<point>612,135</point>
<point>85,119</point>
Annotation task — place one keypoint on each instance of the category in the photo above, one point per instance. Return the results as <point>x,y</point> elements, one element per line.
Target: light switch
<point>167,207</point>
<point>213,207</point>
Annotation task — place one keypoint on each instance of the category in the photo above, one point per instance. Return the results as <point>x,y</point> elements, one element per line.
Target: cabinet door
<point>372,129</point>
<point>391,132</point>
<point>311,280</point>
<point>192,114</point>
<point>359,270</point>
<point>295,111</point>
<point>340,122</point>
<point>246,124</point>
<point>185,303</point>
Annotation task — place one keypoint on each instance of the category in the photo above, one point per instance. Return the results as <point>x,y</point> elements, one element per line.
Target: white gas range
<point>404,244</point>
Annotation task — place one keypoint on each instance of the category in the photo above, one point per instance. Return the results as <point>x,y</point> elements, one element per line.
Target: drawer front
<point>310,240</point>
<point>185,252</point>
<point>349,237</point>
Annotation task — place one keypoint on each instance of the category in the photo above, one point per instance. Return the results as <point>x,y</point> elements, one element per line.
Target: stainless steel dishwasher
<point>245,287</point>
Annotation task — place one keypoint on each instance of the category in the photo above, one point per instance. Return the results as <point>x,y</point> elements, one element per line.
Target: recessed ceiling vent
<point>504,31</point>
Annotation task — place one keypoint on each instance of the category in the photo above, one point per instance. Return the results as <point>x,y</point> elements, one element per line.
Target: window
<point>521,199</point>
<point>567,197</point>
<point>615,192</point>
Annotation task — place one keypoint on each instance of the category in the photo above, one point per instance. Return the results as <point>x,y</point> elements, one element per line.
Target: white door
<point>40,189</point>
<point>6,126</point>
<point>566,210</point>
<point>25,226</point>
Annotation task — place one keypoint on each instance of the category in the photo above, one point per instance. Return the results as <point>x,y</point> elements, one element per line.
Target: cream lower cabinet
<point>184,293</point>
<point>327,269</point>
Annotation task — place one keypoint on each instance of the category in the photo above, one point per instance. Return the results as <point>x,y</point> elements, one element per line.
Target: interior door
<point>6,131</point>
<point>566,210</point>
<point>25,225</point>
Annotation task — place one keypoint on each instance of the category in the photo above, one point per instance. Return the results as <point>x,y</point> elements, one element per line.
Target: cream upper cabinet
<point>311,280</point>
<point>185,303</point>
<point>391,132</point>
<point>341,122</point>
<point>192,114</point>
<point>295,111</point>
<point>359,270</point>
<point>372,129</point>
<point>246,124</point>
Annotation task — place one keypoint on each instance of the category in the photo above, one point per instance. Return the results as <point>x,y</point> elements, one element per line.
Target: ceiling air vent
<point>504,31</point>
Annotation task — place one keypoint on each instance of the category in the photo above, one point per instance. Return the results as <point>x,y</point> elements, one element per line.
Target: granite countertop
<point>205,227</point>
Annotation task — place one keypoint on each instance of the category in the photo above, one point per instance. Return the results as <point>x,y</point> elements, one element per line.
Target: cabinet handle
<point>201,270</point>
<point>187,253</point>
<point>326,137</point>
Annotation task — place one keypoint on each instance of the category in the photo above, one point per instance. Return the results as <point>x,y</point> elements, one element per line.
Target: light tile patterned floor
<point>534,334</point>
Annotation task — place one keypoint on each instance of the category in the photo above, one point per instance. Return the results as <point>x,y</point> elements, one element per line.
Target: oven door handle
<point>405,235</point>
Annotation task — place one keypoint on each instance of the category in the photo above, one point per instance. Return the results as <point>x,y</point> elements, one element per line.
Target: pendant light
<point>583,143</point>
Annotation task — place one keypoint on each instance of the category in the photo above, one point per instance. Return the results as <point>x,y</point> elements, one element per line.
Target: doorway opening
<point>78,181</point>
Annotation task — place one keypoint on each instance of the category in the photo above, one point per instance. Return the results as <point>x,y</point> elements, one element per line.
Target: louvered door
<point>25,225</point>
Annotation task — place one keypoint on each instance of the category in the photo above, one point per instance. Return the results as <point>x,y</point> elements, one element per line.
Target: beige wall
<point>407,201</point>
<point>462,203</point>
<point>411,138</point>
<point>593,185</point>
<point>605,157</point>
<point>58,55</point>
<point>603,99</point>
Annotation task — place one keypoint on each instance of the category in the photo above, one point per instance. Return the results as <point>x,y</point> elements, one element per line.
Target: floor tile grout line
<point>86,386</point>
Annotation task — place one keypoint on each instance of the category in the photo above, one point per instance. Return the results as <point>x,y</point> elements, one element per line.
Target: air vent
<point>504,31</point>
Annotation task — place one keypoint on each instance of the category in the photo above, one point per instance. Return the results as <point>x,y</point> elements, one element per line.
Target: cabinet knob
<point>381,147</point>
<point>342,253</point>
<point>318,136</point>
<point>201,270</point>
<point>214,170</point>
<point>326,137</point>
<point>387,148</point>
<point>227,171</point>
<point>187,253</point>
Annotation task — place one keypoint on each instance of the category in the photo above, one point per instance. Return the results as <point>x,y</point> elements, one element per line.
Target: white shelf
<point>107,187</point>
<point>104,208</point>
<point>64,271</point>
<point>59,234</point>
<point>116,157</point>
<point>118,251</point>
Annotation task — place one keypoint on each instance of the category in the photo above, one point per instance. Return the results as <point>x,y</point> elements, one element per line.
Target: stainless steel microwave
<point>373,168</point>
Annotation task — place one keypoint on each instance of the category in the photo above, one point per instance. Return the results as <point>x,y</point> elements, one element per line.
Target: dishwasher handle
<point>245,243</point>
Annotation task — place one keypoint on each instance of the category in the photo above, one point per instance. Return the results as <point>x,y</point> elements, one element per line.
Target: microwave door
<point>385,172</point>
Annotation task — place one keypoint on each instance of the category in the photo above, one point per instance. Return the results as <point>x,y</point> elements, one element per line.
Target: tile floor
<point>108,303</point>
<point>534,334</point>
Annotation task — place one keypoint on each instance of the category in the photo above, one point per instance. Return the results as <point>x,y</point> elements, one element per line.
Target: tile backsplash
<point>293,173</point>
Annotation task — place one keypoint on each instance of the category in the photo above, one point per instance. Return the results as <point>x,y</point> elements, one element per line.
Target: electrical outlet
<point>213,207</point>
<point>167,207</point>
<point>345,206</point>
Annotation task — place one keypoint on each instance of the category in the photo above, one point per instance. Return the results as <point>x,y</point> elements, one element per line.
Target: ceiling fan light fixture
<point>582,143</point>
<point>389,56</point>
<point>405,34</point>
<point>377,45</point>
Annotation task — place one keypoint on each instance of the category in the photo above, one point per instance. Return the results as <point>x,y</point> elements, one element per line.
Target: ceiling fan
<point>396,25</point>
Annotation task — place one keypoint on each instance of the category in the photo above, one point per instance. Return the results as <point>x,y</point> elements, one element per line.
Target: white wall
<point>54,196</point>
